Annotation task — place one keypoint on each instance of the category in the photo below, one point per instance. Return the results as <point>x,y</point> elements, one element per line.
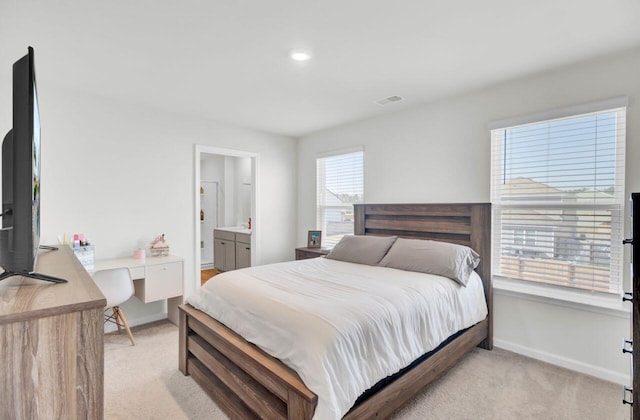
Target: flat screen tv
<point>20,233</point>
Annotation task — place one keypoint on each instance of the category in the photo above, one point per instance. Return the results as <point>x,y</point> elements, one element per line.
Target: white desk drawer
<point>136,273</point>
<point>162,281</point>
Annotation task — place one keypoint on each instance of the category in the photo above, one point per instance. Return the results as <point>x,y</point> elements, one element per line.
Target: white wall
<point>440,152</point>
<point>243,191</point>
<point>234,177</point>
<point>212,177</point>
<point>212,169</point>
<point>229,188</point>
<point>122,174</point>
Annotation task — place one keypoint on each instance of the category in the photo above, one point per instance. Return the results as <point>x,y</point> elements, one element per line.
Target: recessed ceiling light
<point>300,55</point>
<point>389,100</point>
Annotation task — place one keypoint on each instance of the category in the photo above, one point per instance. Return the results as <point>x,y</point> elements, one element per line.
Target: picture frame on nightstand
<point>314,239</point>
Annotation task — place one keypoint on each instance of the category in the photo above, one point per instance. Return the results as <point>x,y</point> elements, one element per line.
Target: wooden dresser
<point>634,297</point>
<point>52,343</point>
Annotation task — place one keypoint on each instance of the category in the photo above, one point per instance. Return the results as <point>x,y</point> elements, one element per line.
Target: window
<point>558,199</point>
<point>340,185</point>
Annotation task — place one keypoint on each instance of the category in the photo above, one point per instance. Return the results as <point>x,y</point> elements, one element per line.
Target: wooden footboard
<point>397,393</point>
<point>245,381</point>
<point>241,378</point>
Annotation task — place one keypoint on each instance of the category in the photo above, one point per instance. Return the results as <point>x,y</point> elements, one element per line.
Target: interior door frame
<point>199,150</point>
<point>217,209</point>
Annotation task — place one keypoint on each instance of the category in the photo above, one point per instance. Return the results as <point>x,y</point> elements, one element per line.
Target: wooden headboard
<point>465,224</point>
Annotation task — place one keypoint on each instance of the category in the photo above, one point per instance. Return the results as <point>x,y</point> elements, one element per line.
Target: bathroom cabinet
<point>231,249</point>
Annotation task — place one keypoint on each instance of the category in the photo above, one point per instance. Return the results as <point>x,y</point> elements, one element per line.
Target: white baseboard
<point>111,327</point>
<point>565,362</point>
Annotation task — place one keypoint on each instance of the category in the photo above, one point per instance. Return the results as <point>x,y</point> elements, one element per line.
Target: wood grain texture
<point>635,362</point>
<point>237,374</point>
<point>29,351</point>
<point>250,372</point>
<point>419,209</point>
<point>52,357</point>
<point>428,224</point>
<point>23,298</point>
<point>90,364</point>
<point>230,403</point>
<point>481,242</point>
<point>183,335</point>
<point>306,253</point>
<point>256,397</point>
<point>466,224</point>
<point>267,370</point>
<point>394,395</point>
<point>635,307</point>
<point>298,407</point>
<point>635,317</point>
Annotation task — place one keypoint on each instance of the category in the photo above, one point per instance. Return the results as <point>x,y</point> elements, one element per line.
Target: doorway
<point>225,196</point>
<point>209,211</point>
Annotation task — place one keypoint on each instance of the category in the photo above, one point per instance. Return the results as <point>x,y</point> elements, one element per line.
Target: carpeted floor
<point>143,382</point>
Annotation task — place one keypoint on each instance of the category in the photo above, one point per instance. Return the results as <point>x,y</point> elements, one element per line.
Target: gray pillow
<point>361,249</point>
<point>433,257</point>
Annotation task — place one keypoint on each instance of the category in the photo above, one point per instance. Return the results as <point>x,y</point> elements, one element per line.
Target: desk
<point>154,278</point>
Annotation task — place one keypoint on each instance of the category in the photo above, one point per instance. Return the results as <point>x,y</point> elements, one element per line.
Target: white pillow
<point>433,257</point>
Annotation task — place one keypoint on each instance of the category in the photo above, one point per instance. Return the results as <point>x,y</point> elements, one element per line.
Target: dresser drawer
<point>161,281</point>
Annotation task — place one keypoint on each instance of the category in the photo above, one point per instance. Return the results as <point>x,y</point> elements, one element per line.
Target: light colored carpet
<point>143,382</point>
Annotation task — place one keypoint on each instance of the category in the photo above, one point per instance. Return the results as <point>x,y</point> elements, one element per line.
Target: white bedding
<point>343,327</point>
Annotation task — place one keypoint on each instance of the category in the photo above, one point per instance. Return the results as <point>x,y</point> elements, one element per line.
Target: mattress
<point>342,327</point>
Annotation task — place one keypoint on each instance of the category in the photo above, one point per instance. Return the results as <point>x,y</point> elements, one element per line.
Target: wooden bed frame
<point>248,383</point>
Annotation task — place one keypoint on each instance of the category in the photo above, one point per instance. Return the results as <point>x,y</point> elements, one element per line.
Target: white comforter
<point>343,327</point>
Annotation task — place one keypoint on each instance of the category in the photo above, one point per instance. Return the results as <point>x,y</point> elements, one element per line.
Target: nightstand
<point>305,253</point>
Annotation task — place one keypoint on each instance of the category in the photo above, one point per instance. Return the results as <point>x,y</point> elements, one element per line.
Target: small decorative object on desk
<point>159,247</point>
<point>314,239</point>
<point>83,250</point>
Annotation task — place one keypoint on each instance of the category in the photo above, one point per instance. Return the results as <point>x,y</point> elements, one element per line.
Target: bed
<point>248,383</point>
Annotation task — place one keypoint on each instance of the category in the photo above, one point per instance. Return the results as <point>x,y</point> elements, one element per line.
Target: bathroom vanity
<point>231,248</point>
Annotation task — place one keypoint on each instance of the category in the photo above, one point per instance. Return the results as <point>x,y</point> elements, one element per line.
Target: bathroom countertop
<point>238,229</point>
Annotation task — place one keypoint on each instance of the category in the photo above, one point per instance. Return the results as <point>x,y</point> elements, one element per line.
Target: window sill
<point>611,305</point>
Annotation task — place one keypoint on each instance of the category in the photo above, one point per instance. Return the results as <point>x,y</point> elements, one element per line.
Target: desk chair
<point>116,285</point>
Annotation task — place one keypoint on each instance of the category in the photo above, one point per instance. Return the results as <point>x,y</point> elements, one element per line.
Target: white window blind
<point>340,184</point>
<point>558,198</point>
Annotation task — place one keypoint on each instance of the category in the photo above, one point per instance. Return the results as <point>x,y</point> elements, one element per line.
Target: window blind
<point>340,184</point>
<point>557,192</point>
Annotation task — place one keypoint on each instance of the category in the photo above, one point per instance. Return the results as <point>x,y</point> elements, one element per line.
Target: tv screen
<point>35,203</point>
<point>21,179</point>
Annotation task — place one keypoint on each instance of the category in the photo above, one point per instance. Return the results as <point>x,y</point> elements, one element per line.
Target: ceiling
<point>228,60</point>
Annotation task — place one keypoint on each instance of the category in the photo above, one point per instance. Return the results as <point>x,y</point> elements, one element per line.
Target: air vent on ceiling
<point>390,99</point>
